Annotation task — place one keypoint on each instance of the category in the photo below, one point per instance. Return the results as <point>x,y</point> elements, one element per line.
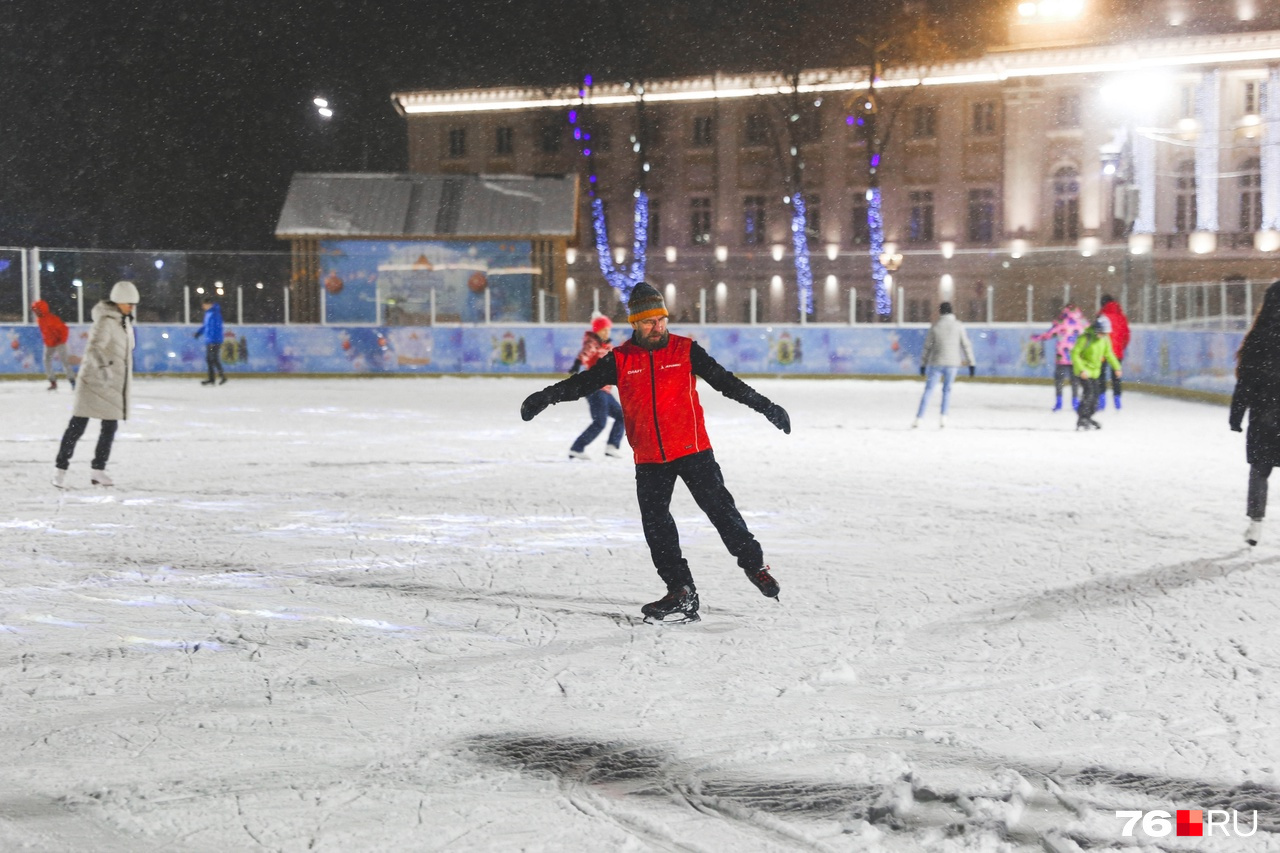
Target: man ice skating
<point>656,372</point>
<point>211,329</point>
<point>55,335</point>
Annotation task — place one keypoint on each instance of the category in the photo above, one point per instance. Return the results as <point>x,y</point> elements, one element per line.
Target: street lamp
<point>322,107</point>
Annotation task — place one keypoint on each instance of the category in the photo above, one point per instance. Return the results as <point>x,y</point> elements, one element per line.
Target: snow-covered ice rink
<point>386,614</point>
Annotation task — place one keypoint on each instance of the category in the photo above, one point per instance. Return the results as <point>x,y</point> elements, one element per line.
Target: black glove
<point>195,335</point>
<point>922,370</point>
<point>778,417</point>
<point>972,370</point>
<point>533,404</point>
<point>1236,426</point>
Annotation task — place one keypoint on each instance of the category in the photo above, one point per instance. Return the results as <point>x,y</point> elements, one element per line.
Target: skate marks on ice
<point>1108,790</point>
<point>1113,591</point>
<point>626,785</point>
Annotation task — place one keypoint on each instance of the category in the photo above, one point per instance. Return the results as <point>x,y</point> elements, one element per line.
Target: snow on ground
<point>385,614</point>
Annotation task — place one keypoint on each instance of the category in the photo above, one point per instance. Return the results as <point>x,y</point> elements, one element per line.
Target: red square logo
<point>1190,822</point>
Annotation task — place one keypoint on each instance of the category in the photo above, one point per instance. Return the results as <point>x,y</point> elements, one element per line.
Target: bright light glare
<point>320,102</point>
<point>326,112</point>
<point>159,264</point>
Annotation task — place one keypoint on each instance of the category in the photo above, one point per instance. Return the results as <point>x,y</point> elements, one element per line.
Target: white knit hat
<point>124,291</point>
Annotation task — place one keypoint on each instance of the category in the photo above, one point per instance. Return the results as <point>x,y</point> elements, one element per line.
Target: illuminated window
<point>982,215</point>
<point>1255,97</point>
<point>1066,204</point>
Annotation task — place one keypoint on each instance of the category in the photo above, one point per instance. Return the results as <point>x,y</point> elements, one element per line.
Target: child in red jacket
<point>55,334</point>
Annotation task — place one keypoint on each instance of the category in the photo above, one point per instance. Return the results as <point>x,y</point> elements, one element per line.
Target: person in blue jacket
<point>212,331</point>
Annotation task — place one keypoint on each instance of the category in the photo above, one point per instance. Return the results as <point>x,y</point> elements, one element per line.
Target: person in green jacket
<point>1092,349</point>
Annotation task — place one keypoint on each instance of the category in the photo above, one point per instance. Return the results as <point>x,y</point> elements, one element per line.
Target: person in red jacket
<point>602,404</point>
<point>54,332</point>
<point>1119,343</point>
<point>656,373</point>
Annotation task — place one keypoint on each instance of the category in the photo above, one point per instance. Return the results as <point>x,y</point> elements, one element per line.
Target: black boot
<point>763,581</point>
<point>681,603</point>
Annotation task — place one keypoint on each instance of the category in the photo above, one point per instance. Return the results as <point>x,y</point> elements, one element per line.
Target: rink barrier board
<point>1199,363</point>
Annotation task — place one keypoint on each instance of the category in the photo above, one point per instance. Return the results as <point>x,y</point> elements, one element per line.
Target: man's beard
<point>644,343</point>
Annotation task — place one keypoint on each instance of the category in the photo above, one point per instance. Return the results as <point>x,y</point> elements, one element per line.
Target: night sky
<point>177,124</point>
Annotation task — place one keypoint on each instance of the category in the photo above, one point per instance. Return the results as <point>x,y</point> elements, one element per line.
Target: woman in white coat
<point>104,382</point>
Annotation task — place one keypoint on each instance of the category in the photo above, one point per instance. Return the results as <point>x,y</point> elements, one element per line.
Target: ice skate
<point>678,605</point>
<point>1116,400</point>
<point>1057,406</point>
<point>942,422</point>
<point>1253,532</point>
<point>100,478</point>
<point>1094,424</point>
<point>73,384</point>
<point>206,382</point>
<point>222,380</point>
<point>763,581</point>
<point>915,424</point>
<point>1102,402</point>
<point>60,477</point>
<point>53,385</point>
<point>613,452</point>
<point>579,454</point>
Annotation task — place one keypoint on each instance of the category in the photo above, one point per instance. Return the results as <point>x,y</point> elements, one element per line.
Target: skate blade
<point>673,619</point>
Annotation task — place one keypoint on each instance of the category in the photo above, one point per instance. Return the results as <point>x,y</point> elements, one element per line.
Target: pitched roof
<point>428,206</point>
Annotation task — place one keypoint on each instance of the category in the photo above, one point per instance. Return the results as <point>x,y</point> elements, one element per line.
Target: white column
<point>1031,301</point>
<point>1208,113</point>
<point>286,305</point>
<point>26,289</point>
<point>1271,155</point>
<point>35,274</point>
<point>754,297</point>
<point>702,306</point>
<point>1144,167</point>
<point>853,306</point>
<point>240,304</point>
<point>991,303</point>
<point>186,304</point>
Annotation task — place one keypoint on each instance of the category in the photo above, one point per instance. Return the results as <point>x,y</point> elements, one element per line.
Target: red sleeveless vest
<point>659,396</point>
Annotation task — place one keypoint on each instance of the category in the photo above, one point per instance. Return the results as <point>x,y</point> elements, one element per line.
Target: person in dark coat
<point>656,373</point>
<point>1258,393</point>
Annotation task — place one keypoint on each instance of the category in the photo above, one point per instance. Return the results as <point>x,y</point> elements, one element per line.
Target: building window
<point>457,142</point>
<point>549,138</point>
<point>703,131</point>
<point>1187,102</point>
<point>753,225</point>
<point>1250,183</point>
<point>1066,204</point>
<point>924,122</point>
<point>504,140</point>
<point>1066,115</point>
<point>1255,97</point>
<point>984,118</point>
<point>920,229</point>
<point>1184,212</point>
<point>655,223</point>
<point>982,215</point>
<point>700,221</point>
<point>918,310</point>
<point>757,130</point>
<point>601,140</point>
<point>812,217</point>
<point>859,228</point>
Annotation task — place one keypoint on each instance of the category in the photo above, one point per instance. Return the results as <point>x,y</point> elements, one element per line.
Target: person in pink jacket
<point>1066,329</point>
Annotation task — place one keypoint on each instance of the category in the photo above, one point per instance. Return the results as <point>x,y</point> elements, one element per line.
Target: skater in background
<point>212,331</point>
<point>1092,350</point>
<point>55,334</point>
<point>1066,329</point>
<point>946,349</point>
<point>1119,343</point>
<point>602,404</point>
<point>106,374</point>
<point>1258,393</point>
<point>656,374</point>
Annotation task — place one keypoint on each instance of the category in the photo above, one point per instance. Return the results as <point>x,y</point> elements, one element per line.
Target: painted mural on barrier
<point>357,275</point>
<point>1203,361</point>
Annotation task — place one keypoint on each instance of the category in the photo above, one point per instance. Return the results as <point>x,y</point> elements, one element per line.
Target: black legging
<point>75,429</point>
<point>1256,504</point>
<point>701,473</point>
<point>1115,379</point>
